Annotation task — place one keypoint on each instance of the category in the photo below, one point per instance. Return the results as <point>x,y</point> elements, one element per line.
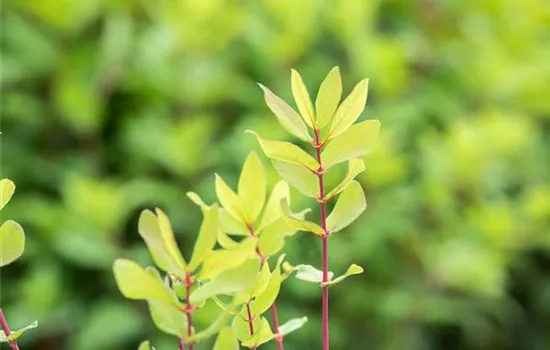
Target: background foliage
<point>111,106</point>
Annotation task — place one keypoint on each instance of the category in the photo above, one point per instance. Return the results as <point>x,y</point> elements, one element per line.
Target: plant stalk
<point>250,322</point>
<point>7,331</point>
<point>188,282</point>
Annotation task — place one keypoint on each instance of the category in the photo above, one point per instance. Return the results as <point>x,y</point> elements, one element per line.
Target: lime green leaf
<point>208,235</point>
<point>235,280</point>
<point>229,200</point>
<point>262,334</point>
<point>303,101</point>
<point>292,325</point>
<point>225,241</point>
<point>16,334</point>
<point>240,326</point>
<point>229,224</point>
<point>145,345</point>
<point>136,283</point>
<point>168,235</point>
<point>349,206</point>
<point>289,119</point>
<point>299,177</point>
<point>252,186</point>
<point>268,297</point>
<point>272,237</point>
<point>350,109</point>
<point>222,260</point>
<point>261,281</point>
<point>7,188</point>
<point>168,318</point>
<point>195,198</point>
<point>212,329</point>
<point>149,230</point>
<point>330,93</point>
<point>355,142</point>
<point>272,211</point>
<point>12,242</point>
<point>226,340</point>
<point>355,167</point>
<point>298,223</point>
<point>352,270</point>
<point>287,152</point>
<point>309,273</point>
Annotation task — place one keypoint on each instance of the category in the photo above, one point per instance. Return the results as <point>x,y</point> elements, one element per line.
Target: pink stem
<point>250,322</point>
<point>188,282</point>
<point>7,331</point>
<point>278,337</point>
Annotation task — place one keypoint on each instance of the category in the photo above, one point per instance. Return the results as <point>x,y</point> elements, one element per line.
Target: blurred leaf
<point>298,223</point>
<point>309,273</point>
<point>168,318</point>
<point>145,345</point>
<point>7,188</point>
<point>328,97</point>
<point>12,242</point>
<point>292,325</point>
<point>252,186</point>
<point>352,270</point>
<point>349,206</point>
<point>350,109</point>
<point>296,175</point>
<point>226,340</point>
<point>16,334</point>
<point>355,167</point>
<point>207,237</point>
<point>85,250</point>
<point>303,101</point>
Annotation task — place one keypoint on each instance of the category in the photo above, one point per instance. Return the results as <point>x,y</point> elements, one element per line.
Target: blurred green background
<point>111,106</point>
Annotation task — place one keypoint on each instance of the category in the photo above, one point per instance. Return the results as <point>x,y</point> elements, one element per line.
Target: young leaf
<point>136,283</point>
<point>229,224</point>
<point>350,109</point>
<point>168,235</point>
<point>272,211</point>
<point>303,101</point>
<point>355,142</point>
<point>287,152</point>
<point>168,318</point>
<point>262,334</point>
<point>352,270</point>
<point>272,237</point>
<point>298,223</point>
<point>330,93</point>
<point>219,261</point>
<point>355,167</point>
<point>261,281</point>
<point>225,241</point>
<point>299,177</point>
<point>240,326</point>
<point>229,200</point>
<point>349,206</point>
<point>289,119</point>
<point>145,345</point>
<point>208,235</point>
<point>252,186</point>
<point>309,273</point>
<point>212,329</point>
<point>226,340</point>
<point>12,242</point>
<point>195,198</point>
<point>268,297</point>
<point>16,334</point>
<point>238,279</point>
<point>7,188</point>
<point>292,325</point>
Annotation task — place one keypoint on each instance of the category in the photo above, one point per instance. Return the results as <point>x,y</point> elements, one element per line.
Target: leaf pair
<point>309,273</point>
<point>12,236</point>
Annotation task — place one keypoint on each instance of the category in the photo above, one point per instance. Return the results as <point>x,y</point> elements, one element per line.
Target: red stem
<point>7,331</point>
<point>188,282</point>
<point>324,239</point>
<point>250,322</point>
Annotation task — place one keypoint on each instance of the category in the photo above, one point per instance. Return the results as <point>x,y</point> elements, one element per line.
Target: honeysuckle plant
<point>330,131</point>
<point>12,245</point>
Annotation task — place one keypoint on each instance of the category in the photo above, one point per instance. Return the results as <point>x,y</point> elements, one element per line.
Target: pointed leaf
<point>355,142</point>
<point>350,109</point>
<point>212,329</point>
<point>226,340</point>
<point>303,101</point>
<point>145,345</point>
<point>299,177</point>
<point>252,186</point>
<point>261,281</point>
<point>352,270</point>
<point>208,235</point>
<point>195,198</point>
<point>168,318</point>
<point>168,236</point>
<point>289,119</point>
<point>309,273</point>
<point>229,200</point>
<point>262,334</point>
<point>268,297</point>
<point>355,167</point>
<point>349,206</point>
<point>7,188</point>
<point>225,241</point>
<point>330,93</point>
<point>292,325</point>
<point>286,151</point>
<point>298,223</point>
<point>17,333</point>
<point>12,242</point>
<point>219,261</point>
<point>229,224</point>
<point>272,211</point>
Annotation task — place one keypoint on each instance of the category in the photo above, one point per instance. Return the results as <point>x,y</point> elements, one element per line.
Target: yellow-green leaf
<point>289,119</point>
<point>262,334</point>
<point>212,329</point>
<point>309,273</point>
<point>252,186</point>
<point>330,93</point>
<point>229,224</point>
<point>286,151</point>
<point>145,345</point>
<point>269,295</point>
<point>349,206</point>
<point>352,270</point>
<point>272,211</point>
<point>303,101</point>
<point>299,177</point>
<point>229,200</point>
<point>226,340</point>
<point>355,167</point>
<point>221,260</point>
<point>292,325</point>
<point>350,109</point>
<point>7,188</point>
<point>355,142</point>
<point>195,198</point>
<point>261,281</point>
<point>298,223</point>
<point>17,333</point>
<point>208,235</point>
<point>240,326</point>
<point>168,236</point>
<point>225,241</point>
<point>168,318</point>
<point>12,242</point>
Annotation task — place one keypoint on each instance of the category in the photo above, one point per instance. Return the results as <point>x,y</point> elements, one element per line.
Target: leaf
<point>12,242</point>
<point>350,109</point>
<point>352,270</point>
<point>272,237</point>
<point>252,186</point>
<point>195,198</point>
<point>208,235</point>
<point>289,119</point>
<point>225,241</point>
<point>262,334</point>
<point>7,188</point>
<point>240,326</point>
<point>268,297</point>
<point>238,279</point>
<point>16,334</point>
<point>212,329</point>
<point>149,230</point>
<point>286,151</point>
<point>136,283</point>
<point>272,211</point>
<point>292,325</point>
<point>261,281</point>
<point>330,93</point>
<point>309,273</point>
<point>299,177</point>
<point>298,223</point>
<point>226,340</point>
<point>219,261</point>
<point>303,101</point>
<point>355,142</point>
<point>168,318</point>
<point>229,200</point>
<point>145,345</point>
<point>349,206</point>
<point>168,235</point>
<point>355,167</point>
<point>229,224</point>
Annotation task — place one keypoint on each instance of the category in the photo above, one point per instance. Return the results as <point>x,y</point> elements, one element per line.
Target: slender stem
<point>181,344</point>
<point>278,336</point>
<point>324,239</point>
<point>7,331</point>
<point>188,283</point>
<point>250,322</point>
